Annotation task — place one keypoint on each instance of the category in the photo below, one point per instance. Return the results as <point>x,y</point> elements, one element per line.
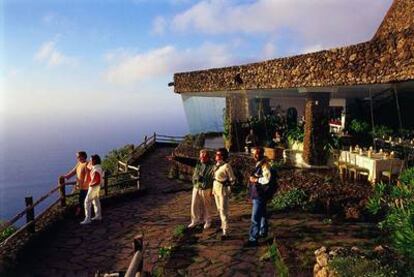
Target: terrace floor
<point>106,246</point>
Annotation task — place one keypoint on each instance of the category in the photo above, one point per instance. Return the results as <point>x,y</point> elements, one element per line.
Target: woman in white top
<point>92,198</point>
<point>223,179</point>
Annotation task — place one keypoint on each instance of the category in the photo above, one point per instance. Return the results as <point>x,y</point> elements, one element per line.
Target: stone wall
<point>316,129</point>
<point>388,57</point>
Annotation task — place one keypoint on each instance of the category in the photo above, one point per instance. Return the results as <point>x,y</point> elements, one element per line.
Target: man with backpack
<point>262,186</point>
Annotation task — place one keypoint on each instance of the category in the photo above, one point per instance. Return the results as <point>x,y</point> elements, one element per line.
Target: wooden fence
<point>123,169</point>
<point>135,268</point>
<point>29,211</point>
<point>149,143</point>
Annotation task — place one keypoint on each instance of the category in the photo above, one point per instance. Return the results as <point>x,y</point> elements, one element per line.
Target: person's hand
<point>228,190</point>
<point>253,179</point>
<point>77,187</point>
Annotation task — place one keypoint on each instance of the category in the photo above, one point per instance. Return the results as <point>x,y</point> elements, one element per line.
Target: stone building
<point>310,83</point>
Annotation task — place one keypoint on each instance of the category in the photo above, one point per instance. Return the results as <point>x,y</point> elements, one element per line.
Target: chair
<point>352,166</point>
<point>393,172</point>
<point>356,170</point>
<point>340,165</point>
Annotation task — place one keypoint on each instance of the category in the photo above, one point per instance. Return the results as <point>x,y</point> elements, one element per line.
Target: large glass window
<point>204,114</point>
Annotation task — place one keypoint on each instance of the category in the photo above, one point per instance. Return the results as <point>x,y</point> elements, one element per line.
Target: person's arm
<point>230,175</point>
<point>195,174</point>
<point>96,179</point>
<point>71,173</point>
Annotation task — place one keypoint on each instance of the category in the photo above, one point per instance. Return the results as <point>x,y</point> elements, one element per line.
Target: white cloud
<point>164,61</point>
<point>158,25</point>
<point>269,50</point>
<point>312,48</point>
<point>333,23</point>
<point>50,55</point>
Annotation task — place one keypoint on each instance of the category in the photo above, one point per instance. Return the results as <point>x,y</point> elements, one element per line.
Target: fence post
<point>126,167</point>
<point>106,182</point>
<point>155,137</point>
<point>139,246</point>
<point>30,215</point>
<point>145,142</point>
<point>138,177</point>
<point>62,191</point>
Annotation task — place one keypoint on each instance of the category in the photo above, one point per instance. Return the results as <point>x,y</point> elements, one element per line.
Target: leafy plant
<point>351,266</point>
<point>110,162</point>
<point>407,176</point>
<point>6,232</point>
<point>382,131</point>
<point>274,255</point>
<point>179,231</point>
<point>398,204</point>
<point>289,199</point>
<point>226,125</point>
<point>164,252</point>
<point>359,127</point>
<point>296,133</point>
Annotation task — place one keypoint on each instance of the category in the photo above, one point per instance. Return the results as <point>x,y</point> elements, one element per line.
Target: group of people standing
<point>217,178</point>
<point>89,178</point>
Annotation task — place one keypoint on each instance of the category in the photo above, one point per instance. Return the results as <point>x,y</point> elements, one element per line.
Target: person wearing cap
<point>81,172</point>
<point>223,180</point>
<point>202,198</point>
<point>262,185</point>
<point>92,197</point>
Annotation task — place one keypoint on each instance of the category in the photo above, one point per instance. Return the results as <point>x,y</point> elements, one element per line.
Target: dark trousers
<point>259,225</point>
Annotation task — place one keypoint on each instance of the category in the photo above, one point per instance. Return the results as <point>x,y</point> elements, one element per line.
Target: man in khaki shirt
<point>82,183</point>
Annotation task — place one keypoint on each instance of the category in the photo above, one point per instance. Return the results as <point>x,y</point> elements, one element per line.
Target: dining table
<point>375,163</point>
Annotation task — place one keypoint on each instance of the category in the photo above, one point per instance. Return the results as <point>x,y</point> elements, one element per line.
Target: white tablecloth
<point>375,165</point>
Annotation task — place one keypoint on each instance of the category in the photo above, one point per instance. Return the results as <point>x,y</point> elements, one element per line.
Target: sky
<point>64,59</point>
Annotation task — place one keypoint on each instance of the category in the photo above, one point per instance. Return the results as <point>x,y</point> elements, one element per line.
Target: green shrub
<point>179,231</point>
<point>110,162</point>
<point>296,133</point>
<point>382,131</point>
<point>290,199</point>
<point>274,255</point>
<point>164,252</point>
<point>407,176</point>
<point>397,202</point>
<point>357,266</point>
<point>6,232</point>
<point>359,127</point>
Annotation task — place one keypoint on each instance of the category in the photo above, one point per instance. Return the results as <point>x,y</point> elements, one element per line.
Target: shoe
<point>96,218</point>
<point>250,243</point>
<point>86,221</point>
<point>263,236</point>
<point>192,225</point>
<point>207,225</point>
<point>224,237</point>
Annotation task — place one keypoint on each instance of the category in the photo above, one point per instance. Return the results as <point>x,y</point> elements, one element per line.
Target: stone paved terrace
<point>75,250</point>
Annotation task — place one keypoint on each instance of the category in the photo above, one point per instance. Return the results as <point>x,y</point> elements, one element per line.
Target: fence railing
<point>149,143</point>
<point>123,168</point>
<point>29,211</point>
<point>135,267</point>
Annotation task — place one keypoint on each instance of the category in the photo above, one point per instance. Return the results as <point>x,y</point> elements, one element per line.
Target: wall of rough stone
<point>388,57</point>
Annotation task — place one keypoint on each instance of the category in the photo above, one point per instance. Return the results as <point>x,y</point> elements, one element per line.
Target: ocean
<point>34,152</point>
